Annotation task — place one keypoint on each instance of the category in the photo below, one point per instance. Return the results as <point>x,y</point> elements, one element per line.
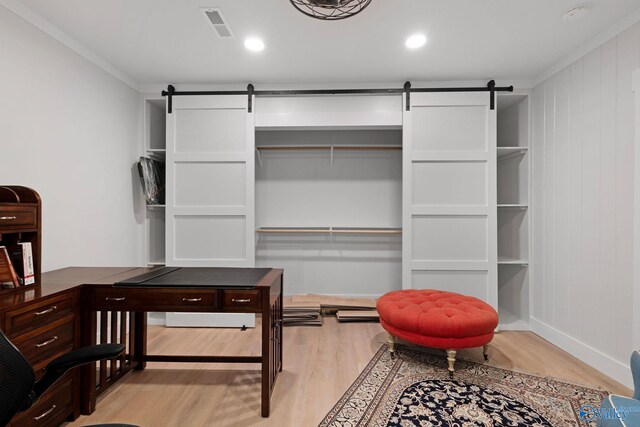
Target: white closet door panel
<point>425,210</point>
<point>210,130</point>
<point>459,183</point>
<point>210,213</point>
<point>473,283</point>
<point>449,128</point>
<point>229,157</point>
<point>449,194</point>
<point>210,238</point>
<point>453,238</point>
<point>210,184</point>
<point>448,265</point>
<point>448,156</point>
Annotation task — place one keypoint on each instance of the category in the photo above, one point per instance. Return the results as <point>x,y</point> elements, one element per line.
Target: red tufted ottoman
<point>437,319</point>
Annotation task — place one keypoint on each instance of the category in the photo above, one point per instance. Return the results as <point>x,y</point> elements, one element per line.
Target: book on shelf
<point>22,258</point>
<point>8,275</point>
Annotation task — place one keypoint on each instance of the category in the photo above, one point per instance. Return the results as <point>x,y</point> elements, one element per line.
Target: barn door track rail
<point>250,92</point>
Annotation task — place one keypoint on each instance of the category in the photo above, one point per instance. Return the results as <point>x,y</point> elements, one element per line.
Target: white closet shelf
<point>155,206</point>
<point>508,152</point>
<point>512,261</point>
<point>329,230</point>
<point>157,150</point>
<point>155,263</point>
<point>513,206</point>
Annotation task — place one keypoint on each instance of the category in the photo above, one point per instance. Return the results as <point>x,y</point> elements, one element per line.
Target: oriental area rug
<point>414,389</point>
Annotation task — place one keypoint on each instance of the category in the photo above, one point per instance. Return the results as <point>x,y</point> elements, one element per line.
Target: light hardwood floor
<point>319,365</point>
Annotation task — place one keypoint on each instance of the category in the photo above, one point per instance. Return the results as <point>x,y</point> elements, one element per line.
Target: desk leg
<point>88,372</point>
<point>140,340</point>
<point>266,354</point>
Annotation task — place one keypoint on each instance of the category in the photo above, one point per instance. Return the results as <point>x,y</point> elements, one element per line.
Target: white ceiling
<point>163,41</point>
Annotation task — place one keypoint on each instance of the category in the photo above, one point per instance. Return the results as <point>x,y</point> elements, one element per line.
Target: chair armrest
<point>59,366</point>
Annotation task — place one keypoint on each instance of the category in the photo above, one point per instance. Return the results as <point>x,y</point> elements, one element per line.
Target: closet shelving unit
<point>513,211</point>
<point>328,206</point>
<point>155,148</point>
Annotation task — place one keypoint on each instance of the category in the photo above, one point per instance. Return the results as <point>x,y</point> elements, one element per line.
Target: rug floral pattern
<point>414,389</point>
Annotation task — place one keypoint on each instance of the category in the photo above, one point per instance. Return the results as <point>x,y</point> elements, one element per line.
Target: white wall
<point>583,171</point>
<point>72,132</point>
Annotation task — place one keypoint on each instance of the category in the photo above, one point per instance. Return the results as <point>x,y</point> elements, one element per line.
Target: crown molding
<point>24,12</point>
<point>628,21</point>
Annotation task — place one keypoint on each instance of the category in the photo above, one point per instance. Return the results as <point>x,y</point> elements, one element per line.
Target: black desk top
<point>197,277</point>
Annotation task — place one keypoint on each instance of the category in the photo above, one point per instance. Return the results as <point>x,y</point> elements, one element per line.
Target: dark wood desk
<point>83,304</point>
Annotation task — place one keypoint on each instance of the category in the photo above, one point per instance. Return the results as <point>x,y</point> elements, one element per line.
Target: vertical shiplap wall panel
<point>582,205</point>
<point>606,286</point>
<point>537,203</point>
<point>591,176</point>
<point>628,60</point>
<point>561,194</point>
<point>549,208</point>
<point>575,281</point>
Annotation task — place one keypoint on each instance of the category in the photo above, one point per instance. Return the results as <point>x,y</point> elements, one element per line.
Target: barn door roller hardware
<point>250,92</point>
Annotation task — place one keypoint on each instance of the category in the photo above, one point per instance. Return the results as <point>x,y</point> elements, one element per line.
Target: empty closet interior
<point>329,208</point>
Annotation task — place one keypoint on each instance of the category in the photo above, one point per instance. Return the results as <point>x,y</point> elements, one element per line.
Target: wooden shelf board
<point>328,230</point>
<point>329,147</point>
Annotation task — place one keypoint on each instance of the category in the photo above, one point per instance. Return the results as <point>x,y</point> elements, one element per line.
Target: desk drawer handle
<point>241,301</point>
<point>45,413</point>
<point>47,311</point>
<point>192,299</point>
<point>8,218</point>
<point>115,298</point>
<point>47,342</point>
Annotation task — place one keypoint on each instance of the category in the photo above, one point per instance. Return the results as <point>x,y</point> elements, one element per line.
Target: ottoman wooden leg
<point>391,341</point>
<point>485,352</point>
<point>451,357</point>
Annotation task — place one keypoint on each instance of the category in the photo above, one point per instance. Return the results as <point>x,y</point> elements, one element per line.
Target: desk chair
<point>19,389</point>
<point>621,411</point>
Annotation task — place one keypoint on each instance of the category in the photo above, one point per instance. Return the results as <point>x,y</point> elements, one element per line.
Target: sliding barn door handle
<point>191,299</point>
<point>114,298</point>
<point>47,311</point>
<point>47,342</point>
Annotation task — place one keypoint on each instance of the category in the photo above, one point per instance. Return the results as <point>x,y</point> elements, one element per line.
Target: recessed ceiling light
<point>254,45</point>
<point>576,13</point>
<point>416,41</point>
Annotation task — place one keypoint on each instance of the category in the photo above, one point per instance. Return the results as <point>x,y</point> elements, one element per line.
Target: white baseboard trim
<point>606,364</point>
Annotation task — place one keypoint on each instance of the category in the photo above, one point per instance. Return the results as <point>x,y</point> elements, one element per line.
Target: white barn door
<point>210,185</point>
<point>449,194</point>
<point>210,214</point>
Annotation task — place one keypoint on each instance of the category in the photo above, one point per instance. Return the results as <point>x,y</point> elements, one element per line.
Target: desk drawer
<point>40,345</point>
<point>37,315</point>
<point>242,300</point>
<point>106,299</point>
<point>52,409</point>
<point>18,216</point>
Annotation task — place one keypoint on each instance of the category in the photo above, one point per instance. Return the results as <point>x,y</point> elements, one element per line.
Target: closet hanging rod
<point>329,147</point>
<point>490,87</point>
<point>328,230</point>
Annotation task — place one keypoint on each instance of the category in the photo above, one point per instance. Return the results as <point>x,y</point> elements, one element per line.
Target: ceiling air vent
<point>217,21</point>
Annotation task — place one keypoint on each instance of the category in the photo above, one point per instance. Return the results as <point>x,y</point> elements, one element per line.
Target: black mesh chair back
<point>16,380</point>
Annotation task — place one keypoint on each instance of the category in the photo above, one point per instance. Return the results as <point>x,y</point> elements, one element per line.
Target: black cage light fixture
<point>330,10</point>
